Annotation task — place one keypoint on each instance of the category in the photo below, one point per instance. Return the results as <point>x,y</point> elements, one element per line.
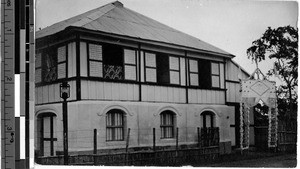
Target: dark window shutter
<point>163,73</point>
<point>204,74</point>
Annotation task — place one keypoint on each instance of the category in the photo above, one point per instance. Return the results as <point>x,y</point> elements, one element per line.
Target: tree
<point>280,44</point>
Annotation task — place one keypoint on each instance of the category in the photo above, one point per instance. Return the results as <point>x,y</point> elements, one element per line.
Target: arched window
<point>167,124</point>
<point>207,118</point>
<point>46,133</point>
<point>115,125</point>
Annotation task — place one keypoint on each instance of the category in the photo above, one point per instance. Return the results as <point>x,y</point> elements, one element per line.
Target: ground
<point>278,161</point>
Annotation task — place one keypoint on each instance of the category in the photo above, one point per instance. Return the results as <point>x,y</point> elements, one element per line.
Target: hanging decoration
<point>254,89</point>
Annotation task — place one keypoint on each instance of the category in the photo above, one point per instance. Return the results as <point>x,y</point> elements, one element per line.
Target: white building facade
<point>124,75</point>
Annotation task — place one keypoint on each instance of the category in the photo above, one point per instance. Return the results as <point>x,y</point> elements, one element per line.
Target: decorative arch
<point>111,107</point>
<point>252,91</point>
<point>39,112</point>
<point>210,109</point>
<point>167,108</point>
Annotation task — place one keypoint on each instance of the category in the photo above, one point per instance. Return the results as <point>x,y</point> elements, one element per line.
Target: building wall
<point>140,97</point>
<point>141,118</point>
<point>233,97</point>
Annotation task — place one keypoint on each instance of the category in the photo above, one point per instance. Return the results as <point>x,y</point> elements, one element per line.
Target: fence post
<point>127,144</point>
<point>127,141</point>
<point>198,132</point>
<point>177,130</point>
<point>95,141</point>
<point>154,139</point>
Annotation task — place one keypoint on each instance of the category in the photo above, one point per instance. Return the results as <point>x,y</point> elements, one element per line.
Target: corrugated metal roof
<point>116,19</point>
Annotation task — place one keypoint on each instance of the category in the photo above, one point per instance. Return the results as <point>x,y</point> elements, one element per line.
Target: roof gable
<point>115,19</point>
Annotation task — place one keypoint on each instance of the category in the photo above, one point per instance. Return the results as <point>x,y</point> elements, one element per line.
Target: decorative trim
<point>210,109</point>
<point>110,107</point>
<point>165,108</point>
<point>47,110</point>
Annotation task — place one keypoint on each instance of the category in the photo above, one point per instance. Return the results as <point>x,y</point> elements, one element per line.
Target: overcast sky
<point>231,25</point>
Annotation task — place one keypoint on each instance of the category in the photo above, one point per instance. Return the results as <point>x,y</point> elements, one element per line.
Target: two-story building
<point>129,71</point>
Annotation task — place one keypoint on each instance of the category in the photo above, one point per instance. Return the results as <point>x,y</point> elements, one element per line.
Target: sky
<point>231,25</point>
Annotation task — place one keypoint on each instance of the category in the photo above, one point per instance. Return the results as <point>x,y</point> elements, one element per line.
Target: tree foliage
<point>281,45</point>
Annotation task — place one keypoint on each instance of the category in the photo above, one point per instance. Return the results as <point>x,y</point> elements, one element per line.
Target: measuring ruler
<point>8,130</point>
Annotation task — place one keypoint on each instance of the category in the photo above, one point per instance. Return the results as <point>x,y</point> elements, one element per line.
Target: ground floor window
<point>47,134</point>
<point>167,124</point>
<point>115,125</point>
<point>207,119</point>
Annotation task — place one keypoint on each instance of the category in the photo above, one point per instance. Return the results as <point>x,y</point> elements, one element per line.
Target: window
<point>174,70</point>
<point>95,60</point>
<point>150,67</point>
<point>49,65</point>
<point>115,125</point>
<point>113,62</point>
<point>167,124</point>
<point>194,74</point>
<point>163,74</point>
<point>61,62</point>
<point>206,74</point>
<point>162,68</point>
<point>38,68</point>
<point>207,119</point>
<point>130,64</point>
<point>215,75</point>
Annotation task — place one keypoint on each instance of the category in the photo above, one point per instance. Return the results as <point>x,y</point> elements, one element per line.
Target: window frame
<point>174,70</point>
<point>212,119</point>
<point>40,67</point>
<point>149,67</point>
<point>211,75</point>
<point>93,60</point>
<point>164,126</point>
<point>190,72</point>
<point>130,64</point>
<point>113,127</point>
<point>62,62</point>
<point>215,75</point>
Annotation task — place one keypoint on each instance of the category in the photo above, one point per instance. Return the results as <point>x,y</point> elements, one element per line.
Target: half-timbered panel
<point>201,96</point>
<point>233,72</point>
<point>233,92</point>
<point>204,56</point>
<point>51,93</point>
<point>154,93</point>
<point>96,90</point>
<point>161,49</point>
<point>72,59</point>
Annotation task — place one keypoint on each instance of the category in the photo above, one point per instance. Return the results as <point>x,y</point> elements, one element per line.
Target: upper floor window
<point>167,124</point>
<point>162,69</point>
<point>130,64</point>
<point>150,67</point>
<point>206,74</point>
<point>95,60</point>
<point>115,125</point>
<point>112,62</point>
<point>174,70</point>
<point>215,74</point>
<point>50,64</point>
<point>194,72</point>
